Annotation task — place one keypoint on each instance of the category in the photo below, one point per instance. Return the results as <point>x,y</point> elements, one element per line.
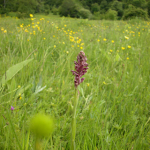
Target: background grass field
<point>114,104</point>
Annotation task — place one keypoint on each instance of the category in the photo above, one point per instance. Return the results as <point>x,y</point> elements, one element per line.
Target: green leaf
<point>12,71</point>
<point>117,57</point>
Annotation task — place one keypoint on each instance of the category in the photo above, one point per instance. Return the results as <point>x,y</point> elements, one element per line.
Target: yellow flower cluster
<point>3,30</point>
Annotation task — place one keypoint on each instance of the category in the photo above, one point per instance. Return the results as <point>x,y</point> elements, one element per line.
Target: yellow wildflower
<point>26,30</point>
<point>104,39</point>
<point>54,46</point>
<point>112,41</point>
<point>129,46</point>
<point>123,48</point>
<point>21,26</point>
<point>31,15</point>
<point>126,37</point>
<point>104,82</point>
<point>5,31</point>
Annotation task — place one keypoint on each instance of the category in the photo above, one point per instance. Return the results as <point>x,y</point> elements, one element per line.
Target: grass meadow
<point>113,112</point>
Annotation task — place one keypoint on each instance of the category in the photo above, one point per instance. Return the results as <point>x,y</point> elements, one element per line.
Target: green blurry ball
<point>42,125</point>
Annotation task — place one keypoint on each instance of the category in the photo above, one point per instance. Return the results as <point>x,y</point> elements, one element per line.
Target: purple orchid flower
<point>80,68</point>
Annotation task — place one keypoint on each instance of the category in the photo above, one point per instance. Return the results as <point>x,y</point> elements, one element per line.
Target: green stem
<point>38,144</point>
<point>51,143</point>
<point>75,103</point>
<point>12,127</point>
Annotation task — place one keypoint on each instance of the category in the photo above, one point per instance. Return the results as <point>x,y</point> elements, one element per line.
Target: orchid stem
<point>75,103</point>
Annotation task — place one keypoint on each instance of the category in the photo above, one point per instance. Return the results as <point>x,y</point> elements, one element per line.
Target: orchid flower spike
<point>80,68</point>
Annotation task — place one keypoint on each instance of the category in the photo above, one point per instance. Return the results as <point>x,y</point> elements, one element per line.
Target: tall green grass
<point>113,109</point>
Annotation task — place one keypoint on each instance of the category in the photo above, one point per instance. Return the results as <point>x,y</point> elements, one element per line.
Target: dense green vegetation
<point>91,9</point>
<point>114,101</point>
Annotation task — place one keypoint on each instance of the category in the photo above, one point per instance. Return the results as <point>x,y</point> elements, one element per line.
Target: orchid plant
<point>80,69</point>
